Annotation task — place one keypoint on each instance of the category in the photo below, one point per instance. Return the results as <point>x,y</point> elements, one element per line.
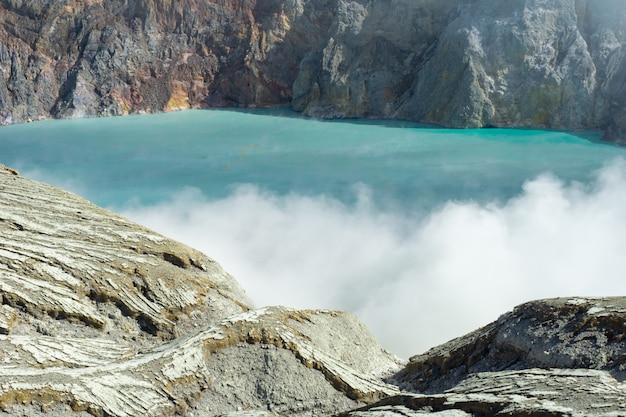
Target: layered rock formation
<point>561,357</point>
<point>460,63</point>
<point>102,317</point>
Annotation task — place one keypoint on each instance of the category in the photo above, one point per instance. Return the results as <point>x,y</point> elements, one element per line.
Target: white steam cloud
<point>415,280</point>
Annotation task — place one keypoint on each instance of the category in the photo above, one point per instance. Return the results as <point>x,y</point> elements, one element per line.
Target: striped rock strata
<point>64,261</point>
<point>102,317</point>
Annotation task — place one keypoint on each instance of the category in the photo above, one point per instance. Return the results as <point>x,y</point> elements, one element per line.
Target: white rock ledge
<point>103,316</point>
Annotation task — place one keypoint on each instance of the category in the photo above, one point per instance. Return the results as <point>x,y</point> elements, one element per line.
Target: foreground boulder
<point>104,317</point>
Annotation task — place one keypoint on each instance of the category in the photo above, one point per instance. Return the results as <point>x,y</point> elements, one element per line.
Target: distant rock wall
<point>459,63</point>
<point>556,64</point>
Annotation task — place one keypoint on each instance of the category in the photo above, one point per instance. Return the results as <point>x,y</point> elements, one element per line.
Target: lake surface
<point>424,233</point>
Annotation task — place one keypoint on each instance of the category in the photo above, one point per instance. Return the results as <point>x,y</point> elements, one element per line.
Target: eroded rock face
<point>568,333</point>
<point>528,393</point>
<point>67,264</point>
<point>108,57</point>
<point>472,64</point>
<point>459,63</point>
<point>100,316</point>
<point>267,359</point>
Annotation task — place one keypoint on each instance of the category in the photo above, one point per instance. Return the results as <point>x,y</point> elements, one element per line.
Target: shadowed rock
<point>567,333</point>
<point>559,357</point>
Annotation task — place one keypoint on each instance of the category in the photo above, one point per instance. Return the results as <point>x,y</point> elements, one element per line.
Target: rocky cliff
<point>460,63</point>
<point>102,317</point>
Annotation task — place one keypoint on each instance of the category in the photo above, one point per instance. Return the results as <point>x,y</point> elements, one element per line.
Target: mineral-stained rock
<point>74,59</point>
<point>461,63</point>
<point>101,316</point>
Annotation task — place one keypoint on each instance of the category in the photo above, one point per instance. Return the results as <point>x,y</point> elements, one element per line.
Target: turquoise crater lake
<point>424,233</point>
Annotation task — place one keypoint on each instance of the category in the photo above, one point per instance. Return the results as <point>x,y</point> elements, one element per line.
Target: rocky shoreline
<point>458,63</point>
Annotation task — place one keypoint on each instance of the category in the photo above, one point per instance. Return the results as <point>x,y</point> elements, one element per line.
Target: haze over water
<point>424,233</point>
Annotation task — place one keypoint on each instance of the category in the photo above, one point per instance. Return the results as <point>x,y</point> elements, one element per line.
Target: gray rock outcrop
<point>100,316</point>
<point>557,63</point>
<point>460,63</point>
<point>560,357</point>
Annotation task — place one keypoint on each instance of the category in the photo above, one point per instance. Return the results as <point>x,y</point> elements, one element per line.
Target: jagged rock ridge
<point>560,357</point>
<point>460,63</point>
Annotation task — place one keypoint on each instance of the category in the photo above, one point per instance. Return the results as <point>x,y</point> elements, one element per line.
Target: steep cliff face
<point>372,57</point>
<point>76,59</point>
<point>556,63</point>
<point>461,63</point>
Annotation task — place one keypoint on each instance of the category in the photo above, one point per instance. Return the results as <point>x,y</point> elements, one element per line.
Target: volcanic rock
<point>558,357</point>
<point>101,316</point>
<point>460,63</point>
